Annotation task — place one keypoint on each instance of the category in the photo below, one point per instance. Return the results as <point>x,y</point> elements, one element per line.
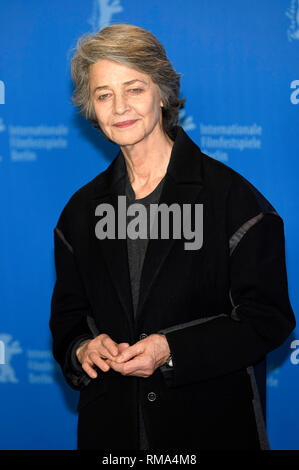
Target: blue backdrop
<point>239,61</point>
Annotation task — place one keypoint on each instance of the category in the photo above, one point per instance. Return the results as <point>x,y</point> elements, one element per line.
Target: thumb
<point>122,347</point>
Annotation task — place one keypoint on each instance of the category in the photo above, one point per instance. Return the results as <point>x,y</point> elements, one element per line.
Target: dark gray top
<point>136,253</point>
<point>137,248</point>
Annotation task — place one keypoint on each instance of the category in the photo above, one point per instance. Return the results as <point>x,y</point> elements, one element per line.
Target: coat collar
<point>183,182</point>
<point>185,166</point>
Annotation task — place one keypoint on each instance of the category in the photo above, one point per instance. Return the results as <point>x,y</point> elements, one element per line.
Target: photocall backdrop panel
<point>239,66</point>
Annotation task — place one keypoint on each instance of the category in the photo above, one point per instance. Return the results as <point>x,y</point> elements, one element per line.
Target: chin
<point>123,141</point>
<point>127,138</point>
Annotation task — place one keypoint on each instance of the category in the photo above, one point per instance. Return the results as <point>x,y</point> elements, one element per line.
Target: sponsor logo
<point>186,121</point>
<point>272,375</point>
<point>2,352</point>
<point>2,92</point>
<point>295,354</point>
<point>26,141</point>
<point>2,126</point>
<point>9,349</point>
<point>102,13</point>
<point>294,97</point>
<point>41,367</point>
<point>293,14</point>
<point>218,140</point>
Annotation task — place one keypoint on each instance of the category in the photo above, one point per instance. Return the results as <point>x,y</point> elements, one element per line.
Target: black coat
<point>222,307</point>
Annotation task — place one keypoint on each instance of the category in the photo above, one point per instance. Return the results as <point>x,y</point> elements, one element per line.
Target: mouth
<point>125,123</point>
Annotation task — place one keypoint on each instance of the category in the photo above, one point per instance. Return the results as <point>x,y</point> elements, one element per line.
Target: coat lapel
<point>182,185</point>
<point>113,251</point>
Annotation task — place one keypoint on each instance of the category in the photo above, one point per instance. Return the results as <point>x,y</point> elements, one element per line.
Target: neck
<point>148,159</point>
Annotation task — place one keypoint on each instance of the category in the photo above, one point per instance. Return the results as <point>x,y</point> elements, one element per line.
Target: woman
<point>164,342</point>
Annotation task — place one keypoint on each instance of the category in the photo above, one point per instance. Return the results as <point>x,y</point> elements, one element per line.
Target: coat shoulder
<point>244,203</point>
<point>241,190</point>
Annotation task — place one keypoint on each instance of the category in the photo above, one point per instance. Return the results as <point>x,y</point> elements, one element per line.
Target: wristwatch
<point>169,362</point>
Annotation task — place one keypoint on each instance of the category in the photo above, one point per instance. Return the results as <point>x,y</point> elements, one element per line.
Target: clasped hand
<point>141,359</point>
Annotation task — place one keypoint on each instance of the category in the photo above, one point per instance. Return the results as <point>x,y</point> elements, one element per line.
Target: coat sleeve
<point>261,317</point>
<point>70,309</point>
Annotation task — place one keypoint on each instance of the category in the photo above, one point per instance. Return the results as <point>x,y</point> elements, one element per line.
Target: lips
<point>125,123</point>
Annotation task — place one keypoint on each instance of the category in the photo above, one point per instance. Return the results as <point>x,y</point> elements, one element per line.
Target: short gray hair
<point>134,47</point>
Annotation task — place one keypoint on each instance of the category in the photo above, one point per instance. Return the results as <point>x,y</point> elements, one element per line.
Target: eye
<point>136,90</point>
<point>102,97</point>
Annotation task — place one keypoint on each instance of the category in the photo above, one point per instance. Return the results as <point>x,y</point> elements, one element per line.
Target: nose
<point>120,103</point>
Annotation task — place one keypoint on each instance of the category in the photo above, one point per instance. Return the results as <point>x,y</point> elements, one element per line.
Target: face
<point>126,102</point>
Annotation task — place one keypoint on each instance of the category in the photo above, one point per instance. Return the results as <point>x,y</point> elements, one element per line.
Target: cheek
<point>101,115</point>
<point>151,108</point>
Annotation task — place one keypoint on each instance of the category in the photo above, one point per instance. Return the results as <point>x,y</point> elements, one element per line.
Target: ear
<point>161,104</point>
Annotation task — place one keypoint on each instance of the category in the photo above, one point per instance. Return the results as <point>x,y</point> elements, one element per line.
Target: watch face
<point>169,362</point>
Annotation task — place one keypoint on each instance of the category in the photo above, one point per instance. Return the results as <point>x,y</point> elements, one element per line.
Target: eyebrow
<point>130,82</point>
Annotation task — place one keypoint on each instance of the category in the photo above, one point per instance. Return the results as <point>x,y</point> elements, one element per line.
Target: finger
<point>136,372</point>
<point>101,346</point>
<point>115,366</point>
<point>122,347</point>
<point>98,361</point>
<point>130,367</point>
<point>130,352</point>
<point>89,370</point>
<point>110,346</point>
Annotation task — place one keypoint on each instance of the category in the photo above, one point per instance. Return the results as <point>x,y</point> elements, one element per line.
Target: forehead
<point>107,72</point>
